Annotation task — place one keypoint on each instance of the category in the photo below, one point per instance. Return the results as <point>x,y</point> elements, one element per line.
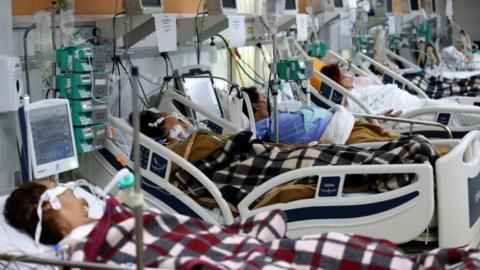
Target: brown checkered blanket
<point>241,165</point>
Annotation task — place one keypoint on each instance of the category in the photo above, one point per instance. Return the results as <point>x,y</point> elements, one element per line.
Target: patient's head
<point>162,125</point>
<point>21,212</point>
<point>334,72</point>
<point>259,103</point>
<point>461,47</point>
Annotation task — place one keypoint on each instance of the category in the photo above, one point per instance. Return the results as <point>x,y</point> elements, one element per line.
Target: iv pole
<point>137,199</point>
<point>276,7</point>
<point>274,86</point>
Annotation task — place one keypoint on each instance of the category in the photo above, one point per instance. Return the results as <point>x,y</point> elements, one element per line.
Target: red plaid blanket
<point>180,242</point>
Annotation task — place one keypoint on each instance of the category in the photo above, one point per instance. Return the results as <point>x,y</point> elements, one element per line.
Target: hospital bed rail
<point>391,77</point>
<point>335,93</point>
<point>458,194</point>
<point>62,263</point>
<point>407,121</point>
<point>368,214</point>
<point>401,59</point>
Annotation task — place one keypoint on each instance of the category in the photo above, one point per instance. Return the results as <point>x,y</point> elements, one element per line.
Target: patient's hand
<point>391,113</point>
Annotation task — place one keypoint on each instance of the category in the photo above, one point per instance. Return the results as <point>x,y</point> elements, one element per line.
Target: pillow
<point>340,127</point>
<point>317,65</point>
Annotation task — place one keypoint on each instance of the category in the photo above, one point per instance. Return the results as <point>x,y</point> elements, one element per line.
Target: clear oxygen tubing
<point>138,197</point>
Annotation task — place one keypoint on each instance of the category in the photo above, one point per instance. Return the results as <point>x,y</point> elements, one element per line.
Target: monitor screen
<point>290,5</point>
<point>229,4</point>
<point>201,91</point>
<point>338,3</point>
<point>151,3</point>
<point>414,5</point>
<point>51,134</point>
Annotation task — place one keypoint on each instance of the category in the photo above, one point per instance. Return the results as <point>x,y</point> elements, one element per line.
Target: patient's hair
<point>21,213</point>
<point>333,72</point>
<point>149,117</point>
<point>252,93</point>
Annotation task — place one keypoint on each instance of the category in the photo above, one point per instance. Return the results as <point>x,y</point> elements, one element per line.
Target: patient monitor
<point>50,137</point>
<point>221,7</point>
<point>291,7</point>
<point>143,6</point>
<point>197,84</point>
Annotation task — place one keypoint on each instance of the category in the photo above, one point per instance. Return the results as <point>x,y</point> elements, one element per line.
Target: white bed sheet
<point>15,242</point>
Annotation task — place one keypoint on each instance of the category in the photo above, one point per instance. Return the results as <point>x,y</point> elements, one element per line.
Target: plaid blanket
<point>241,165</point>
<point>180,242</point>
<point>437,88</point>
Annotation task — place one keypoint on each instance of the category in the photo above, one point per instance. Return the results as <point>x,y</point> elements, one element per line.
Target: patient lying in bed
<point>180,242</point>
<point>307,124</point>
<point>389,98</point>
<point>440,83</point>
<point>237,164</point>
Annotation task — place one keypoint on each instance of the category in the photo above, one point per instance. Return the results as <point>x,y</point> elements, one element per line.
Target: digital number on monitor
<point>51,134</point>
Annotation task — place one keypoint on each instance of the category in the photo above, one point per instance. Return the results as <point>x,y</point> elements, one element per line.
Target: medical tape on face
<point>156,123</point>
<point>50,196</point>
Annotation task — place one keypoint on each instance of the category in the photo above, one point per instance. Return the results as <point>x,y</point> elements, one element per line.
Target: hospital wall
<point>9,161</point>
<point>466,14</point>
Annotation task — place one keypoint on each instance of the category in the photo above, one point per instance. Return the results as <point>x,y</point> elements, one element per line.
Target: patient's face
<point>261,106</point>
<point>171,121</point>
<point>346,81</point>
<point>73,211</point>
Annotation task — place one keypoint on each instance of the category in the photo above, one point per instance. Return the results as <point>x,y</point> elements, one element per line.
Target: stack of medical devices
<point>83,81</point>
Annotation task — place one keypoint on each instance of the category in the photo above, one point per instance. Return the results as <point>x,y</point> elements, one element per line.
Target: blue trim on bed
<point>153,189</point>
<point>316,100</point>
<point>347,211</point>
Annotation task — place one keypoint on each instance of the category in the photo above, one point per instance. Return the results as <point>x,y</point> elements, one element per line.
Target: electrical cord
<point>196,29</point>
<point>140,83</point>
<point>248,65</point>
<point>262,84</point>
<point>131,84</point>
<point>170,61</point>
<point>115,36</point>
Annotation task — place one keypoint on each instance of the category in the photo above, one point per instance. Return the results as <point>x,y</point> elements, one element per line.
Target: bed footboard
<point>458,193</point>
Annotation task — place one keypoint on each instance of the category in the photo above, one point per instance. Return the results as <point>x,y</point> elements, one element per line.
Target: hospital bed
<point>399,215</point>
<point>441,70</point>
<point>331,93</point>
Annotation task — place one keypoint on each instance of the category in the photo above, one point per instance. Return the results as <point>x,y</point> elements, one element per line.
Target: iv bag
<point>449,10</point>
<point>43,41</point>
<point>274,11</point>
<point>67,22</point>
